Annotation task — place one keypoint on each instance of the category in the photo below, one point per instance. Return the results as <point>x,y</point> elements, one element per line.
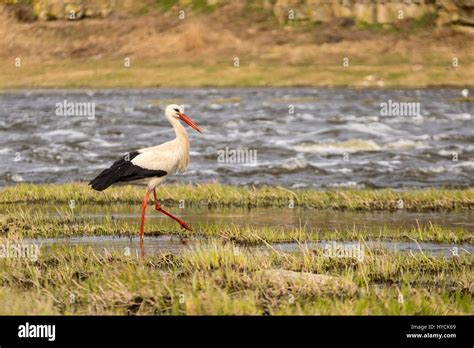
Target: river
<point>296,137</point>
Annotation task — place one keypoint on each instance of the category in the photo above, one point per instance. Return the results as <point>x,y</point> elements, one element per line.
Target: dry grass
<point>221,273</point>
<point>223,279</point>
<point>199,51</point>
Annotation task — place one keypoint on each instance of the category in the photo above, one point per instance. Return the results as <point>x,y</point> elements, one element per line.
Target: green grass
<point>166,5</point>
<point>425,21</point>
<point>198,6</point>
<point>253,72</point>
<point>221,272</point>
<point>377,27</point>
<point>223,279</point>
<point>215,194</point>
<point>25,222</point>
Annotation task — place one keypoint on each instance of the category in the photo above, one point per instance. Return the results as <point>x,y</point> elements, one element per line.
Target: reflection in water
<point>325,220</point>
<point>125,245</point>
<point>168,244</point>
<point>283,217</point>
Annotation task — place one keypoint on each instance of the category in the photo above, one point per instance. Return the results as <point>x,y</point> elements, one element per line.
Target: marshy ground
<point>238,260</point>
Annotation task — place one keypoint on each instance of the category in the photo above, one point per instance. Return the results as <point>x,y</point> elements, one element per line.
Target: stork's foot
<point>178,220</point>
<point>185,226</point>
<point>161,210</point>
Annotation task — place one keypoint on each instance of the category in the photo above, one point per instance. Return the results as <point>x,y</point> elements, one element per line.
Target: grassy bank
<point>215,278</point>
<point>220,271</point>
<point>215,194</point>
<point>146,73</point>
<point>156,49</point>
<point>22,222</point>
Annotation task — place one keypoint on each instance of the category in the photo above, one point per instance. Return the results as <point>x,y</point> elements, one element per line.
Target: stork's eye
<point>176,110</point>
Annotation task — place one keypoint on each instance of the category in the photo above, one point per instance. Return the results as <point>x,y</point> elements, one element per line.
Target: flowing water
<point>301,137</point>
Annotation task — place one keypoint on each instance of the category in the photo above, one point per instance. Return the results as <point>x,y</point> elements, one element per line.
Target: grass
<point>222,272</point>
<point>199,51</point>
<point>21,222</point>
<point>145,73</point>
<point>215,194</point>
<point>224,279</point>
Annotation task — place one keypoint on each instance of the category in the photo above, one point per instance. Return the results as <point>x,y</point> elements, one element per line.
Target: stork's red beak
<point>189,122</point>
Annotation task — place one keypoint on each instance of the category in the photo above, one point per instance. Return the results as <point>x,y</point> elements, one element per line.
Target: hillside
<point>227,44</point>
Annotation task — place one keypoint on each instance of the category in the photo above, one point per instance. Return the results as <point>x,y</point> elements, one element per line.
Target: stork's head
<point>174,111</point>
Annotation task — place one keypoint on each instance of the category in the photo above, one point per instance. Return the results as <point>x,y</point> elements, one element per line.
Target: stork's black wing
<point>123,170</point>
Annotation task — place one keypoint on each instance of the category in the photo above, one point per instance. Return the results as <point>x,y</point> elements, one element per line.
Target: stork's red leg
<point>142,223</point>
<point>179,221</point>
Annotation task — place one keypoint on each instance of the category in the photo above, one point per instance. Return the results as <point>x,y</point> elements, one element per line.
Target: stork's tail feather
<point>105,179</point>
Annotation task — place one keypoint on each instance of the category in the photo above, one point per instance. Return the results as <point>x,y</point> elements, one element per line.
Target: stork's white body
<point>153,163</point>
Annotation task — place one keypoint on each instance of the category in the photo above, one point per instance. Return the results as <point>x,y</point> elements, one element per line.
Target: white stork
<point>153,164</point>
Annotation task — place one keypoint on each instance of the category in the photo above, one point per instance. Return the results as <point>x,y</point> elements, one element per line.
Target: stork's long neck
<point>183,142</point>
<point>180,131</point>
